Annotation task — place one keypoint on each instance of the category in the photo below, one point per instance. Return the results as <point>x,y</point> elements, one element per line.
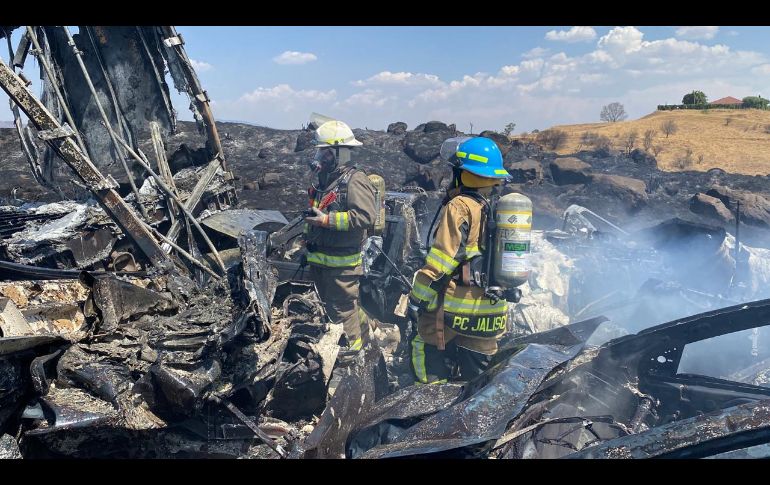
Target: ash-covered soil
<point>271,173</point>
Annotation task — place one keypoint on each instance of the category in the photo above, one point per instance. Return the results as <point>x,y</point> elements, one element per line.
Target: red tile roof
<point>727,100</point>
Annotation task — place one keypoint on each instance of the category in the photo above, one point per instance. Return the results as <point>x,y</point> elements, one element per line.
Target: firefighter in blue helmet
<point>457,325</point>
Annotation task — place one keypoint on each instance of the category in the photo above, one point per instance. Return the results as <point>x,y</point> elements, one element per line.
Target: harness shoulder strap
<point>342,180</point>
<point>487,209</point>
<point>342,186</point>
<point>345,178</point>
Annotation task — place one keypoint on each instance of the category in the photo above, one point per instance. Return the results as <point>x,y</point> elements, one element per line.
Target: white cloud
<point>368,97</point>
<point>622,63</point>
<point>445,91</point>
<point>201,66</point>
<point>284,92</point>
<point>624,47</point>
<point>592,78</point>
<point>762,70</point>
<point>532,65</point>
<point>400,78</point>
<point>509,70</point>
<point>281,106</point>
<point>535,52</point>
<point>621,40</point>
<point>697,33</point>
<point>294,58</point>
<point>599,57</point>
<point>280,98</point>
<point>575,34</point>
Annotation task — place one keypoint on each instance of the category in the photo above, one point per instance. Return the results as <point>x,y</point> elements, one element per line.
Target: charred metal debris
<point>146,315</point>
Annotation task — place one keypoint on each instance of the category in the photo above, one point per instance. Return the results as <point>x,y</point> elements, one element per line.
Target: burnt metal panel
<point>258,281</point>
<point>129,68</point>
<point>701,436</point>
<point>129,101</point>
<point>488,404</point>
<point>12,345</point>
<point>101,187</point>
<point>235,222</point>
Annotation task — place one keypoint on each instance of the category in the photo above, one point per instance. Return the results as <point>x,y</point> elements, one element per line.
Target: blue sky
<point>535,77</point>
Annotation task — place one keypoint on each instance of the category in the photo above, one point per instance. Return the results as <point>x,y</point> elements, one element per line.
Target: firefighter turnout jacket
<point>453,307</point>
<point>352,214</point>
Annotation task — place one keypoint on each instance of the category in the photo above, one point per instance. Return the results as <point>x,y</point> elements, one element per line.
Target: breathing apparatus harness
<point>478,271</point>
<point>471,272</point>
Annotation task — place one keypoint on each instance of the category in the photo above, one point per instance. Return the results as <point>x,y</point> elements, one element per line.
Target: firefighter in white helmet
<point>344,212</point>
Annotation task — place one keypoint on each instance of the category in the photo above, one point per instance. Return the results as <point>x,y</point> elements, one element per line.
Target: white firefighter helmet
<point>331,132</point>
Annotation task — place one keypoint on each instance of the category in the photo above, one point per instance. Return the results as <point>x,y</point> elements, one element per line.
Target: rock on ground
<point>570,170</point>
<point>711,207</point>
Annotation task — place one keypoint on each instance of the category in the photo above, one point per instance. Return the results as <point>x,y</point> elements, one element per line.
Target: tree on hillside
<point>509,129</point>
<point>613,112</point>
<point>669,127</point>
<point>649,136</point>
<point>757,102</point>
<point>695,97</point>
<point>629,140</point>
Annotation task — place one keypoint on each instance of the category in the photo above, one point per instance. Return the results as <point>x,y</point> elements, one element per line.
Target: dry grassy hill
<point>736,141</point>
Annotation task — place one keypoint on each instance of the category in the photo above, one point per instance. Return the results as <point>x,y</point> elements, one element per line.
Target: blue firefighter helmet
<point>482,157</point>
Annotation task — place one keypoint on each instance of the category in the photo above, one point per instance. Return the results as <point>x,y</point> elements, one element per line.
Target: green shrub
<point>695,97</point>
<point>671,107</point>
<point>757,102</point>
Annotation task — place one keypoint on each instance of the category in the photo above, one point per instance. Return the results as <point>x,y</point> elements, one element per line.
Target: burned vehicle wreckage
<point>147,314</point>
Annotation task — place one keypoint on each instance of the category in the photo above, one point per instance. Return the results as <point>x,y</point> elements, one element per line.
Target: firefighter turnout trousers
<point>433,366</point>
<point>338,288</point>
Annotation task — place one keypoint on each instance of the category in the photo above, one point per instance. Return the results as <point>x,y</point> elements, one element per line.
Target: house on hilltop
<point>727,100</point>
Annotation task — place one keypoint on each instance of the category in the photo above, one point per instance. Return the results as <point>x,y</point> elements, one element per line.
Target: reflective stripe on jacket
<point>322,259</point>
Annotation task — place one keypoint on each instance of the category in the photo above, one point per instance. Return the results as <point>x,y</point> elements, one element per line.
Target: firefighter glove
<point>413,309</point>
<point>318,218</point>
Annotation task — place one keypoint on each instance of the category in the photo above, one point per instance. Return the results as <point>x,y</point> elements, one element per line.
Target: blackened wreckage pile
<point>146,314</point>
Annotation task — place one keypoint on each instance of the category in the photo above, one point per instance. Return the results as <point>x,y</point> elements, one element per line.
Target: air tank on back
<point>513,237</point>
<point>379,202</point>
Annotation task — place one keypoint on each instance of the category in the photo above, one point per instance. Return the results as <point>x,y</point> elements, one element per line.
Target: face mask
<point>324,158</point>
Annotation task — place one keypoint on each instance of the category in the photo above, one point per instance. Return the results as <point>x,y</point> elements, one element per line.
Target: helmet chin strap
<point>456,173</point>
